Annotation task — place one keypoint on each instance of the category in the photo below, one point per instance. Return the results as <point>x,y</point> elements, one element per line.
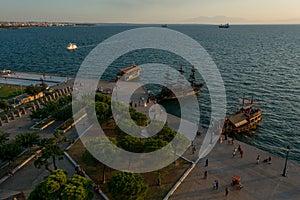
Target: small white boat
<point>72,46</point>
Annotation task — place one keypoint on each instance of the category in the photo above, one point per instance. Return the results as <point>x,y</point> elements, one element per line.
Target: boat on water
<point>181,90</point>
<point>224,26</point>
<point>164,25</point>
<point>244,120</point>
<point>129,73</point>
<point>5,72</point>
<point>71,46</point>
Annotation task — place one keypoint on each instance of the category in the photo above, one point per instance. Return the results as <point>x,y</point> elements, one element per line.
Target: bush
<point>127,185</point>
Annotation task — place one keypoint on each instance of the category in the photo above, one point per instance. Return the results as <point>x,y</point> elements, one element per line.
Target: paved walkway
<point>263,181</point>
<point>25,179</point>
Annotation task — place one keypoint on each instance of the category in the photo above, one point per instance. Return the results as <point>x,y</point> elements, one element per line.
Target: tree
<point>127,185</point>
<point>60,109</point>
<point>63,113</point>
<point>28,139</point>
<point>43,86</point>
<point>153,145</point>
<point>4,137</point>
<point>139,118</point>
<point>57,186</point>
<point>132,144</point>
<point>51,151</point>
<point>104,148</point>
<point>78,187</point>
<point>10,151</point>
<point>4,105</point>
<point>51,187</point>
<point>33,89</point>
<point>102,111</point>
<point>103,98</point>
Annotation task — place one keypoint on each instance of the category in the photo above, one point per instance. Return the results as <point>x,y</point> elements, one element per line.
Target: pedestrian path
<point>262,181</point>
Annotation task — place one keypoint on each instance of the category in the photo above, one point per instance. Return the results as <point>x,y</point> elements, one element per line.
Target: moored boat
<point>181,90</point>
<point>245,119</point>
<point>5,72</point>
<point>129,73</point>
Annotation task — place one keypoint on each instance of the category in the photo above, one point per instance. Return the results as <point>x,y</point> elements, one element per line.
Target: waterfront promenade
<point>262,181</point>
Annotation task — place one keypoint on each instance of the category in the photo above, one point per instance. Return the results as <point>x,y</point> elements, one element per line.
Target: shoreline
<point>110,84</point>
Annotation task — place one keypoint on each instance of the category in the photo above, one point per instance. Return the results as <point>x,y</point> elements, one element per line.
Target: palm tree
<point>10,151</point>
<point>28,139</point>
<point>51,151</point>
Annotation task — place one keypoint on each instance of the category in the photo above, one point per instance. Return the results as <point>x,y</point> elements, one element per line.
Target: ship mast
<point>192,78</point>
<point>181,69</point>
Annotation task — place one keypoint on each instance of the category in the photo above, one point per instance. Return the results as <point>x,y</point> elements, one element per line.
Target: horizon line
<point>147,23</point>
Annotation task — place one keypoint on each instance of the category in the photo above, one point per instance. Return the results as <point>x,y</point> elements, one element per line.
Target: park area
<point>9,91</point>
<point>94,169</point>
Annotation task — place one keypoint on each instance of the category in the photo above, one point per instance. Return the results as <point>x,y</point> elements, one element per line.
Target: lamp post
<point>288,148</point>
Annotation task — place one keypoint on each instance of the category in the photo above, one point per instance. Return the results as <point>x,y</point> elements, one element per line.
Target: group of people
<point>239,149</point>
<point>216,182</point>
<point>140,103</point>
<point>267,160</point>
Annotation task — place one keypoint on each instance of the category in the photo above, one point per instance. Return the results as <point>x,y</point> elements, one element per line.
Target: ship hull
<point>161,97</point>
<point>252,123</point>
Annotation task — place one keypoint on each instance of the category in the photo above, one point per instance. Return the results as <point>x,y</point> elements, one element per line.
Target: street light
<point>288,148</point>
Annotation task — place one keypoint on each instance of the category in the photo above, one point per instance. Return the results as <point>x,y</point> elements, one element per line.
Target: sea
<point>255,61</point>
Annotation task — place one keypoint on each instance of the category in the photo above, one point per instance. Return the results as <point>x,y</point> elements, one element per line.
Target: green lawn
<point>9,91</point>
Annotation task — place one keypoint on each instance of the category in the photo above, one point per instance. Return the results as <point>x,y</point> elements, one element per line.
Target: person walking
<point>194,149</point>
<point>214,184</point>
<point>206,163</point>
<point>217,184</point>
<point>226,191</point>
<point>220,140</point>
<point>241,152</point>
<point>234,152</point>
<point>205,175</point>
<point>270,160</point>
<point>257,160</point>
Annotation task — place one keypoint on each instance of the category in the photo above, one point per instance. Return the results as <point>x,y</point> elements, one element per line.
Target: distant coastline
<point>19,25</point>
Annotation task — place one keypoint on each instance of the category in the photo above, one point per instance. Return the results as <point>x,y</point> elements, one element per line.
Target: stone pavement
<point>262,181</point>
<point>17,126</point>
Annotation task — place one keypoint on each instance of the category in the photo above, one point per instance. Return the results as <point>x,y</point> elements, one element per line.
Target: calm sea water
<point>262,61</point>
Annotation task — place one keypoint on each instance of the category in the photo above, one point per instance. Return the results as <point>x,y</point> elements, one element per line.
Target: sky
<point>153,11</point>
